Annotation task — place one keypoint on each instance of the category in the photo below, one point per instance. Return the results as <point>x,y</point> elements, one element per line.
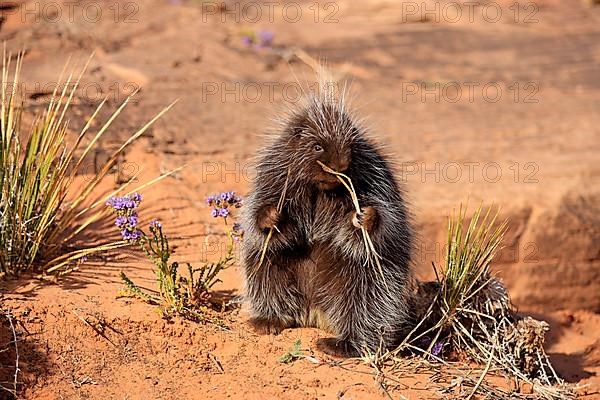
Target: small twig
<point>98,331</point>
<point>384,389</point>
<point>549,364</point>
<point>217,363</point>
<point>342,392</point>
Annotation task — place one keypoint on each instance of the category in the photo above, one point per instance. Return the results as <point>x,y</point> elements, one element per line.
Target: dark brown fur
<point>315,271</point>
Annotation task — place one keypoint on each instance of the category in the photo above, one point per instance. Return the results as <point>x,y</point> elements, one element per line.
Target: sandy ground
<point>470,108</point>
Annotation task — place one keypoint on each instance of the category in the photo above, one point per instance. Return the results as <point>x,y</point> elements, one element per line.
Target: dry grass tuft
<point>468,318</point>
<point>42,208</point>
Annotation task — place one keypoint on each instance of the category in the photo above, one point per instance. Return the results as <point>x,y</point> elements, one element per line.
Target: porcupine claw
<point>366,219</point>
<point>358,219</point>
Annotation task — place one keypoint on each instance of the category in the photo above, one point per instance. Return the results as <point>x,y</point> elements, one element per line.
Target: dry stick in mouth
<point>370,248</point>
<point>279,208</point>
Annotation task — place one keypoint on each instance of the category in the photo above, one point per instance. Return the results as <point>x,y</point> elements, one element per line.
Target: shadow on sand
<point>570,367</point>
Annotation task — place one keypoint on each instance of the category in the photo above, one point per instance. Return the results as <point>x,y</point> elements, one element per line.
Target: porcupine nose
<point>342,163</point>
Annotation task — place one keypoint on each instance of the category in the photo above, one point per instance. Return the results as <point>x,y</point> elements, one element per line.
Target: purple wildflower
<point>115,203</point>
<point>127,217</point>
<point>136,197</point>
<point>131,236</point>
<point>125,203</point>
<point>222,202</point>
<point>247,40</point>
<point>132,220</point>
<point>266,38</point>
<point>83,259</point>
<point>232,199</point>
<point>155,224</point>
<point>437,348</point>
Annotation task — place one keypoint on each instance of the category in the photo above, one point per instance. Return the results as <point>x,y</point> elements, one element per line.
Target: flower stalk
<point>182,295</point>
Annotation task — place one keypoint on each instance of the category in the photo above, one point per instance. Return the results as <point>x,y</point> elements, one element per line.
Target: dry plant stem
<point>102,200</point>
<point>12,328</point>
<point>347,182</point>
<point>63,260</point>
<point>8,315</point>
<point>378,361</point>
<point>421,322</point>
<point>457,370</point>
<point>279,208</point>
<point>108,165</point>
<point>483,374</point>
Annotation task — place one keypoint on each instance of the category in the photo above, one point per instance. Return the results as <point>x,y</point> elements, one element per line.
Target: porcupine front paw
<point>267,217</point>
<point>367,219</point>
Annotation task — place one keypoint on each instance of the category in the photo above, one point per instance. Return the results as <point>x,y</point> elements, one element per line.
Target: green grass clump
<point>469,256</point>
<point>295,353</point>
<point>298,353</point>
<point>42,207</point>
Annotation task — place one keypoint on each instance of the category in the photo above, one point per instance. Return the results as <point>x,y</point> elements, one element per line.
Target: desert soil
<point>471,109</point>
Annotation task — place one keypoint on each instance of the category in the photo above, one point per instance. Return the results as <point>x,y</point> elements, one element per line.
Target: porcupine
<point>315,270</point>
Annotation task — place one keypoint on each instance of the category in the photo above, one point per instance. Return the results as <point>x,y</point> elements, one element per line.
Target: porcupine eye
<point>318,148</point>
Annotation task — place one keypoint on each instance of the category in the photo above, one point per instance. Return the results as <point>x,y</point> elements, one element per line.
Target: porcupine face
<point>321,132</point>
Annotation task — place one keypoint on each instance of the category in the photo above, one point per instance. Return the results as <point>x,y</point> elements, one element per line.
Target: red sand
<point>546,152</point>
